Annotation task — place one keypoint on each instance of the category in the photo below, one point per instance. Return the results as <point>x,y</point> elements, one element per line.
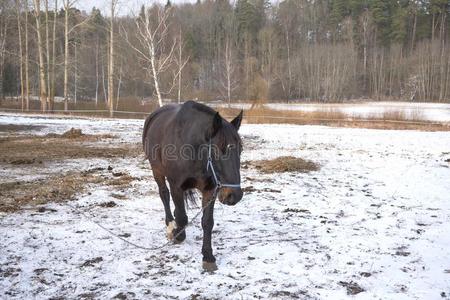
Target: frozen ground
<point>376,216</point>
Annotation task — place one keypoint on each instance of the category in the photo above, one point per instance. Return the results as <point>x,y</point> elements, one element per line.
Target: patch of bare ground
<point>285,164</point>
<point>19,150</point>
<point>389,120</point>
<point>353,288</point>
<point>58,188</point>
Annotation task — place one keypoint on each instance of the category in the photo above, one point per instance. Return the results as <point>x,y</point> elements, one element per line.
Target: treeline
<point>322,50</point>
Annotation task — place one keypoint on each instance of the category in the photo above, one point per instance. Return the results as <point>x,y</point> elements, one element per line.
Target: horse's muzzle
<point>231,196</point>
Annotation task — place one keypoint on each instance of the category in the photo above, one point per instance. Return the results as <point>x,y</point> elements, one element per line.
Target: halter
<point>218,183</point>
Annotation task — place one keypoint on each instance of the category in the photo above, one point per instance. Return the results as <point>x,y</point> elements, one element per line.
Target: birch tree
<point>52,80</point>
<point>19,31</point>
<point>153,47</point>
<point>27,75</point>
<point>229,82</point>
<point>111,60</point>
<point>68,4</point>
<point>40,45</point>
<point>180,62</point>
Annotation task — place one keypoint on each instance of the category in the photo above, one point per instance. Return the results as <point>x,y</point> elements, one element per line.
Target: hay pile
<point>285,164</point>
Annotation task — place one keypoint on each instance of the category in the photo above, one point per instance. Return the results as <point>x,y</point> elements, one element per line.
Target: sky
<point>124,6</point>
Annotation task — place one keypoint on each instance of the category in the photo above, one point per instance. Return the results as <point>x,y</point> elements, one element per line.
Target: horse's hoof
<point>170,230</point>
<point>179,237</point>
<point>209,266</point>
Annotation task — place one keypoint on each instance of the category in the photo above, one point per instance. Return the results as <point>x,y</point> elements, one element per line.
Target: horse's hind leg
<point>181,218</point>
<point>165,197</point>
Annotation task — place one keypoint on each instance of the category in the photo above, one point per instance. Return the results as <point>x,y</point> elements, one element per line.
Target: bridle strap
<point>210,165</point>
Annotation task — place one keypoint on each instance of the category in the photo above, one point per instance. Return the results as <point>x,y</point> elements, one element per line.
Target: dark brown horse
<point>193,147</point>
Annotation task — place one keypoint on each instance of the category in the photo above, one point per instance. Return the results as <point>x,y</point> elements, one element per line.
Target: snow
<point>436,112</point>
<point>379,204</point>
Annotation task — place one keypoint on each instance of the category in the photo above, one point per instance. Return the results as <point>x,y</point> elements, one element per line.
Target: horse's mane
<point>198,107</point>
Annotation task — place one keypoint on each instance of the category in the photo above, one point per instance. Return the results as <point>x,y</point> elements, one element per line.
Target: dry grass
<point>285,164</point>
<point>390,120</point>
<point>59,188</point>
<point>20,150</point>
<point>37,149</point>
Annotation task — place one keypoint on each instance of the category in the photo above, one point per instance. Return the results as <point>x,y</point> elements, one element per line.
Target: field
<point>365,215</point>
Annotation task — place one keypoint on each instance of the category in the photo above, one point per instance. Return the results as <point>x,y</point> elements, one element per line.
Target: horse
<point>192,147</point>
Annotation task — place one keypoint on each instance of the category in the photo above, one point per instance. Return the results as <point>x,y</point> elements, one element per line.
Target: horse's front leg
<point>209,261</point>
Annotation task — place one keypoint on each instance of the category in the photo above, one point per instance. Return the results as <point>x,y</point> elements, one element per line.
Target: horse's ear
<point>216,125</point>
<point>237,121</point>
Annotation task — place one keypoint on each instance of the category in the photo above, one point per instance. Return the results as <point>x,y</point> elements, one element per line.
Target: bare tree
<point>229,82</point>
<point>153,46</point>
<point>27,77</point>
<point>42,82</point>
<point>180,63</point>
<point>19,30</point>
<point>68,4</point>
<point>3,36</point>
<point>52,80</point>
<point>47,48</point>
<point>111,60</point>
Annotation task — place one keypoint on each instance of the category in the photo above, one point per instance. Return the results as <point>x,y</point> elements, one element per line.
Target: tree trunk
<point>413,38</point>
<point>111,63</point>
<point>155,74</point>
<point>47,48</point>
<point>42,83</point>
<point>27,81</point>
<point>75,76</point>
<point>119,84</point>
<point>288,95</point>
<point>52,89</point>
<point>96,73</point>
<point>66,54</point>
<point>180,63</point>
<point>19,29</point>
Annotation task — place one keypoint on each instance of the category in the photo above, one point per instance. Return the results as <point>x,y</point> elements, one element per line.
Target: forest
<point>247,50</point>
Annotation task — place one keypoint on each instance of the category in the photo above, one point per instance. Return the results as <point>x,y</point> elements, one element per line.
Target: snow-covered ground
<point>437,112</point>
<point>376,215</point>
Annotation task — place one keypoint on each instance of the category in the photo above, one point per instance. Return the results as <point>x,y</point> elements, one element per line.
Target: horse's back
<point>157,126</point>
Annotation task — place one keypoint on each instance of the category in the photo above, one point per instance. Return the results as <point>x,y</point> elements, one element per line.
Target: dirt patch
<point>108,204</point>
<point>352,287</point>
<point>60,188</point>
<point>36,149</point>
<point>92,262</point>
<point>285,164</point>
<point>75,133</point>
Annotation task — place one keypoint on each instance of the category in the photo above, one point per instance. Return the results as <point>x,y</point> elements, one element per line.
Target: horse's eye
<point>227,148</point>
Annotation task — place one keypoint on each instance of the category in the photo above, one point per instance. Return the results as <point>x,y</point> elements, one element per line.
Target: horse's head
<point>226,155</point>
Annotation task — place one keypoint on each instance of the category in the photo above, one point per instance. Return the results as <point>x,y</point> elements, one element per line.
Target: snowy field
<point>436,112</point>
<point>372,223</point>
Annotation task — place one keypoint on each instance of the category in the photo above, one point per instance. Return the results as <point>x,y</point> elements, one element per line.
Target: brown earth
<point>58,188</point>
<point>18,150</point>
<point>31,149</point>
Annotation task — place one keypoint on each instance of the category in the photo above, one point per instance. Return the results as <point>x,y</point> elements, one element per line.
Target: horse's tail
<point>190,197</point>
